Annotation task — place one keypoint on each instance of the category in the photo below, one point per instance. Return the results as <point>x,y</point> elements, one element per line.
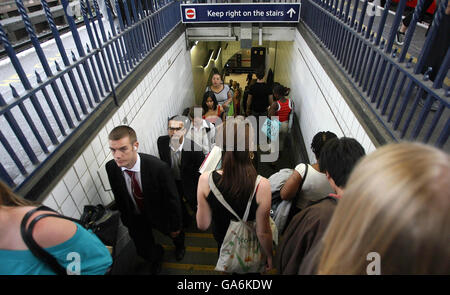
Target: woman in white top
<point>221,91</point>
<point>315,185</point>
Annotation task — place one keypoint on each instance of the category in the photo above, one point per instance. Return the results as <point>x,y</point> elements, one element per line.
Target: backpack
<point>281,210</point>
<point>241,251</point>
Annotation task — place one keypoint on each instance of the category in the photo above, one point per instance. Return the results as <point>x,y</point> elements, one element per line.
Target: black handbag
<point>103,222</point>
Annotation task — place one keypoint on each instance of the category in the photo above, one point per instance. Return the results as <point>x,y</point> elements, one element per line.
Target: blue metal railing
<point>380,72</point>
<point>36,122</point>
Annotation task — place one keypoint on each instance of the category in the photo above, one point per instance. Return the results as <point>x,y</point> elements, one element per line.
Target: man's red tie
<point>136,189</point>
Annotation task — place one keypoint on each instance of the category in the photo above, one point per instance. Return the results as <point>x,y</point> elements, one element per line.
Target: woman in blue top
<point>67,241</point>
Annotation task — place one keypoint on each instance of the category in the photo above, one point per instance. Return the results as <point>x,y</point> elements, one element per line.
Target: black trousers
<point>141,232</point>
<point>186,216</point>
<point>408,17</point>
<point>439,48</point>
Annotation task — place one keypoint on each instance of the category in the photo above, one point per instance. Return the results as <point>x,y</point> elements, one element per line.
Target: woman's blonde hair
<point>397,204</point>
<point>9,199</point>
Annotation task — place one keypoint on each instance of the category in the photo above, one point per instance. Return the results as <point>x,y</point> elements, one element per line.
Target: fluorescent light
<point>212,38</point>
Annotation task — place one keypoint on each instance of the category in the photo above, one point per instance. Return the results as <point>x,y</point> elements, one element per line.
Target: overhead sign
<point>241,13</point>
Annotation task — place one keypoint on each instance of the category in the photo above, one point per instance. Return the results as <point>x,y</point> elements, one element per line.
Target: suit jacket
<point>191,159</point>
<point>162,207</point>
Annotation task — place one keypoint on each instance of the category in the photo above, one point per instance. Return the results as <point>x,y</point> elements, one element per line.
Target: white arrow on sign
<point>291,12</point>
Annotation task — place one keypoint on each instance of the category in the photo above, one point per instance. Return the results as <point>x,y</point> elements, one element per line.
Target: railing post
<point>5,176</point>
<point>18,131</point>
<point>411,30</point>
<point>65,59</point>
<point>117,54</point>
<point>127,46</point>
<point>396,23</point>
<point>84,12</point>
<point>79,45</point>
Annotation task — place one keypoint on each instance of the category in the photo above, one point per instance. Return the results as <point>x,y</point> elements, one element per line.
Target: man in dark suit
<point>145,194</point>
<point>185,158</point>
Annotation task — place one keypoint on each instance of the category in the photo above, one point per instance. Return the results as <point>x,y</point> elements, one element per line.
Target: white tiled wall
<point>164,92</point>
<point>318,104</point>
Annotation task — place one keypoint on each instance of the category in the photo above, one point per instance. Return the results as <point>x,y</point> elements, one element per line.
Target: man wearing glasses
<point>185,158</point>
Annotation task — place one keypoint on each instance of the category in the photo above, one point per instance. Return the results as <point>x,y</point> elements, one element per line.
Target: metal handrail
<point>100,67</point>
<point>369,60</point>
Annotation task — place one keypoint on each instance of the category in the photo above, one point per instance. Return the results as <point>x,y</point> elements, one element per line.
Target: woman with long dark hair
<point>212,110</point>
<point>236,182</point>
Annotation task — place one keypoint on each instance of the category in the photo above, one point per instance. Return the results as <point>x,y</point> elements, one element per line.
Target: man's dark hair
<point>338,157</point>
<point>260,74</point>
<point>186,112</point>
<point>122,131</point>
<point>319,141</point>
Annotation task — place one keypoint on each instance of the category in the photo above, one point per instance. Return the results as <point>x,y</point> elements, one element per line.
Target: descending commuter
<point>184,157</point>
<point>337,159</point>
<point>236,182</point>
<point>231,84</point>
<point>202,132</point>
<point>258,101</point>
<point>59,237</point>
<point>212,110</point>
<point>395,211</point>
<point>283,108</point>
<point>250,82</point>
<point>314,186</point>
<point>237,98</point>
<point>145,194</point>
<point>234,108</point>
<point>249,78</point>
<point>260,97</point>
<point>222,91</point>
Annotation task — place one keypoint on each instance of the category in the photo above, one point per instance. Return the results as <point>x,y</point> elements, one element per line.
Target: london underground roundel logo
<point>190,13</point>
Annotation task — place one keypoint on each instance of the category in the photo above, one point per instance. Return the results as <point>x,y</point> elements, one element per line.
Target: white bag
<point>241,251</point>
